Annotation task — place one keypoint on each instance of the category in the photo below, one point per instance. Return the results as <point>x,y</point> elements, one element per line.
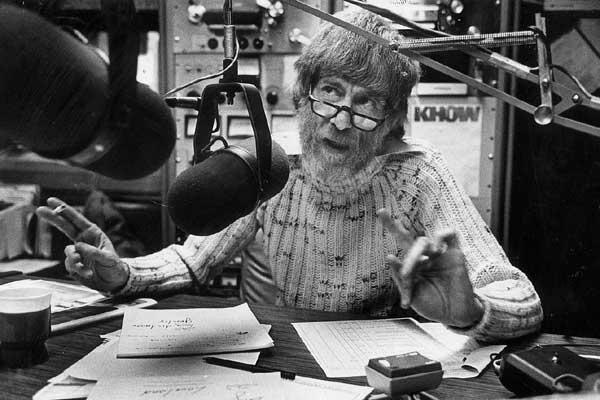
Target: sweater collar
<point>358,182</point>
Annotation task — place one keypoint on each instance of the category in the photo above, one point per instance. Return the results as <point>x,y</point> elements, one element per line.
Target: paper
<point>64,296</point>
<point>155,333</point>
<point>27,265</point>
<point>235,387</point>
<point>102,362</point>
<point>64,391</point>
<point>343,348</point>
<point>472,357</point>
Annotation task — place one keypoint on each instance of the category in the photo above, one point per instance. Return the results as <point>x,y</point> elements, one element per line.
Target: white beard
<point>325,166</point>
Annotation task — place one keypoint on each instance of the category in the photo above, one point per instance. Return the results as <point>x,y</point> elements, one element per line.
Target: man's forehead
<point>355,87</point>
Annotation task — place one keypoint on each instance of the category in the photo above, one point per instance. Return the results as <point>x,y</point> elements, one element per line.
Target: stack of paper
<point>100,375</point>
<point>186,333</point>
<point>159,333</point>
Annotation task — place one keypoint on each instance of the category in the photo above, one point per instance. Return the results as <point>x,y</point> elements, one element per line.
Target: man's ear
<point>395,125</point>
<point>300,102</point>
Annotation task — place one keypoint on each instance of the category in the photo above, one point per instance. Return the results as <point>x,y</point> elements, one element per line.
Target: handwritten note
<point>156,333</point>
<point>243,386</point>
<point>102,362</point>
<point>343,348</point>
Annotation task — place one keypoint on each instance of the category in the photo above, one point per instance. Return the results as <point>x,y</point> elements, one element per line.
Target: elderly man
<point>368,222</point>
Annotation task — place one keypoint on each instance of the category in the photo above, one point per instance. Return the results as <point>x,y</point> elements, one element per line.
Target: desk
<point>289,352</point>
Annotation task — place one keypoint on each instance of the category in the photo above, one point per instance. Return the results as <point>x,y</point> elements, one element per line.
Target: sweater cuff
<point>125,289</point>
<point>511,309</point>
<point>481,329</point>
<point>148,275</point>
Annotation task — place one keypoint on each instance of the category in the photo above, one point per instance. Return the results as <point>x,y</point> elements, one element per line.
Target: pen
<point>247,367</point>
<point>5,274</point>
<point>415,396</point>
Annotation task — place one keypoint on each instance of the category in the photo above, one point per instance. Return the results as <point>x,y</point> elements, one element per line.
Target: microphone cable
<point>211,76</point>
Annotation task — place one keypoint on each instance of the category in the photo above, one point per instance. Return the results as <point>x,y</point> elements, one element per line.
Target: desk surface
<point>289,353</point>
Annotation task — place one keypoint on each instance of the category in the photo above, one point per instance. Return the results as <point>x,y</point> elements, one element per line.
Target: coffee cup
<point>24,326</point>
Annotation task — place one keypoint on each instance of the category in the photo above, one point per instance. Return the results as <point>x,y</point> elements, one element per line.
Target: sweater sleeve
<point>171,268</point>
<point>512,307</point>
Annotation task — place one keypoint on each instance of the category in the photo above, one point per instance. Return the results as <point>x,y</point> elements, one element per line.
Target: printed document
<point>158,333</point>
<point>343,348</point>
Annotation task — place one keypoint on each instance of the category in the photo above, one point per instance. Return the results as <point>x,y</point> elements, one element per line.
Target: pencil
<point>247,367</point>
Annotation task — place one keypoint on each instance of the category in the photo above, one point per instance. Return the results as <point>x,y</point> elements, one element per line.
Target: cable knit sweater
<point>327,249</point>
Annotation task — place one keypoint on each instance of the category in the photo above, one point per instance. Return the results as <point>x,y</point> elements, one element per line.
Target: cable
<point>211,76</point>
<point>565,388</point>
<point>574,79</point>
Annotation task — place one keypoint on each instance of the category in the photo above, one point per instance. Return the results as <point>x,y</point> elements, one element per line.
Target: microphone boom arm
<point>569,97</point>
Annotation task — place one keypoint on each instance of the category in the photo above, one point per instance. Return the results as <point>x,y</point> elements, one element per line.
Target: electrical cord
<point>211,76</point>
<point>566,388</point>
<point>574,79</point>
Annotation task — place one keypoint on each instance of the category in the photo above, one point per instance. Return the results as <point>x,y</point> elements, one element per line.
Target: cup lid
<point>27,299</point>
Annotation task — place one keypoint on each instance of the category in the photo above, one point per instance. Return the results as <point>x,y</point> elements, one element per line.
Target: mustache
<point>344,137</point>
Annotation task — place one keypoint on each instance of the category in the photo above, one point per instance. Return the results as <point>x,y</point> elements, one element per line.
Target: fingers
<point>93,255</point>
<point>403,236</point>
<point>75,266</point>
<point>85,262</point>
<point>64,217</point>
<point>448,238</point>
<point>70,214</point>
<point>417,256</point>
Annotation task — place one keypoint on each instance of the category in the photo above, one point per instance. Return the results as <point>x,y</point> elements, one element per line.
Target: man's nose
<point>342,120</point>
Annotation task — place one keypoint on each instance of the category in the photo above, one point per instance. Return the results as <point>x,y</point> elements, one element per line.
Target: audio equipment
<point>61,100</point>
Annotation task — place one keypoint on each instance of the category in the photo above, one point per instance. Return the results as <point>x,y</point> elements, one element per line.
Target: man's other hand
<point>92,258</point>
<point>433,277</point>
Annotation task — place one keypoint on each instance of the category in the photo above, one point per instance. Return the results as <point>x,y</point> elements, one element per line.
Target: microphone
<point>209,196</point>
<point>56,100</point>
<point>231,182</point>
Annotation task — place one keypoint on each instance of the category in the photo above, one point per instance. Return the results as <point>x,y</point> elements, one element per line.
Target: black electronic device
<point>545,370</point>
<point>406,373</point>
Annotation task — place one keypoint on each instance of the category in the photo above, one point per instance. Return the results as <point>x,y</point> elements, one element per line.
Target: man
<point>367,221</point>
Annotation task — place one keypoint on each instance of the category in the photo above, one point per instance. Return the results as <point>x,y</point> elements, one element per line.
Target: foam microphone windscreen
<point>55,97</point>
<point>209,196</point>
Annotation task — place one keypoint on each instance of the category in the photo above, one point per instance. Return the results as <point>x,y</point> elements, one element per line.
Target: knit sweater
<point>326,247</point>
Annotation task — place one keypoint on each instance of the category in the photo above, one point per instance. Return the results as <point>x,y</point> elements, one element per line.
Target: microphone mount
<point>476,46</point>
<point>207,105</point>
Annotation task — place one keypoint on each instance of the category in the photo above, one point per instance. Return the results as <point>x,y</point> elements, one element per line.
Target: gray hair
<point>335,51</point>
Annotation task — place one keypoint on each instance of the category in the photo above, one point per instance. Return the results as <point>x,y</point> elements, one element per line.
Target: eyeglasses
<point>360,121</point>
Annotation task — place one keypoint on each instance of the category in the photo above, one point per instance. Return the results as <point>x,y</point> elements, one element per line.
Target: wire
<point>565,388</point>
<point>574,79</point>
<point>211,76</point>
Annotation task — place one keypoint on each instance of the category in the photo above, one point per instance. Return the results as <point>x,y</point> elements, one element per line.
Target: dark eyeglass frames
<point>360,121</point>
